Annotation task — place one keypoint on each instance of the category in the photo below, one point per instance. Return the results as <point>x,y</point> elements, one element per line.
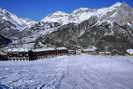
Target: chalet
<point>91,50</point>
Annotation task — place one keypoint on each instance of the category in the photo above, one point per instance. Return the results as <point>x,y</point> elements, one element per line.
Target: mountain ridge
<point>81,14</point>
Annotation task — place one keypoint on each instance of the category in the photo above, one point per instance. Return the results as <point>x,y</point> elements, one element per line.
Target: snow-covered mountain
<point>105,28</point>
<point>83,27</point>
<point>11,25</point>
<point>20,23</point>
<point>59,16</point>
<point>119,12</point>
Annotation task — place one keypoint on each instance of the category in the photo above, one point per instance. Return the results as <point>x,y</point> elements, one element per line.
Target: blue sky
<point>38,9</point>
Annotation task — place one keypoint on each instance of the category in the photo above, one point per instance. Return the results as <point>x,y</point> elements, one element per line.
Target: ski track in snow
<point>69,72</point>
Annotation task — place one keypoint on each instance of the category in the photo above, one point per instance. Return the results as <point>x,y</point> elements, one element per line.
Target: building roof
<point>90,49</point>
<point>18,50</point>
<point>40,49</point>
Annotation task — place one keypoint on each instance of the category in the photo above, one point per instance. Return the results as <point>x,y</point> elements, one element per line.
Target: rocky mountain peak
<point>3,11</point>
<point>59,13</point>
<point>82,10</point>
<point>120,4</point>
<point>12,18</point>
<point>58,16</point>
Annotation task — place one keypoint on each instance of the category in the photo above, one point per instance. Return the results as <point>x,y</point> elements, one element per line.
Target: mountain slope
<point>10,24</point>
<point>102,33</point>
<point>4,41</point>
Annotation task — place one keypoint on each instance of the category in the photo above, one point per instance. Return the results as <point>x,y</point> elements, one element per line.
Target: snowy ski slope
<point>69,72</point>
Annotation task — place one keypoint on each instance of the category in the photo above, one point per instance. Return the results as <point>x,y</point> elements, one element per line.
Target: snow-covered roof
<point>47,49</point>
<point>43,49</point>
<point>90,49</point>
<point>40,49</point>
<point>130,51</point>
<point>60,48</point>
<point>104,52</point>
<point>18,50</point>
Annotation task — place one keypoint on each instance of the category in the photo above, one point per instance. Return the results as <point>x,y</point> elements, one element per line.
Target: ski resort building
<point>91,50</point>
<point>32,54</point>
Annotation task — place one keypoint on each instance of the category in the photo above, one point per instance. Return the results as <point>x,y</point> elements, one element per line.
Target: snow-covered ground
<point>69,72</point>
